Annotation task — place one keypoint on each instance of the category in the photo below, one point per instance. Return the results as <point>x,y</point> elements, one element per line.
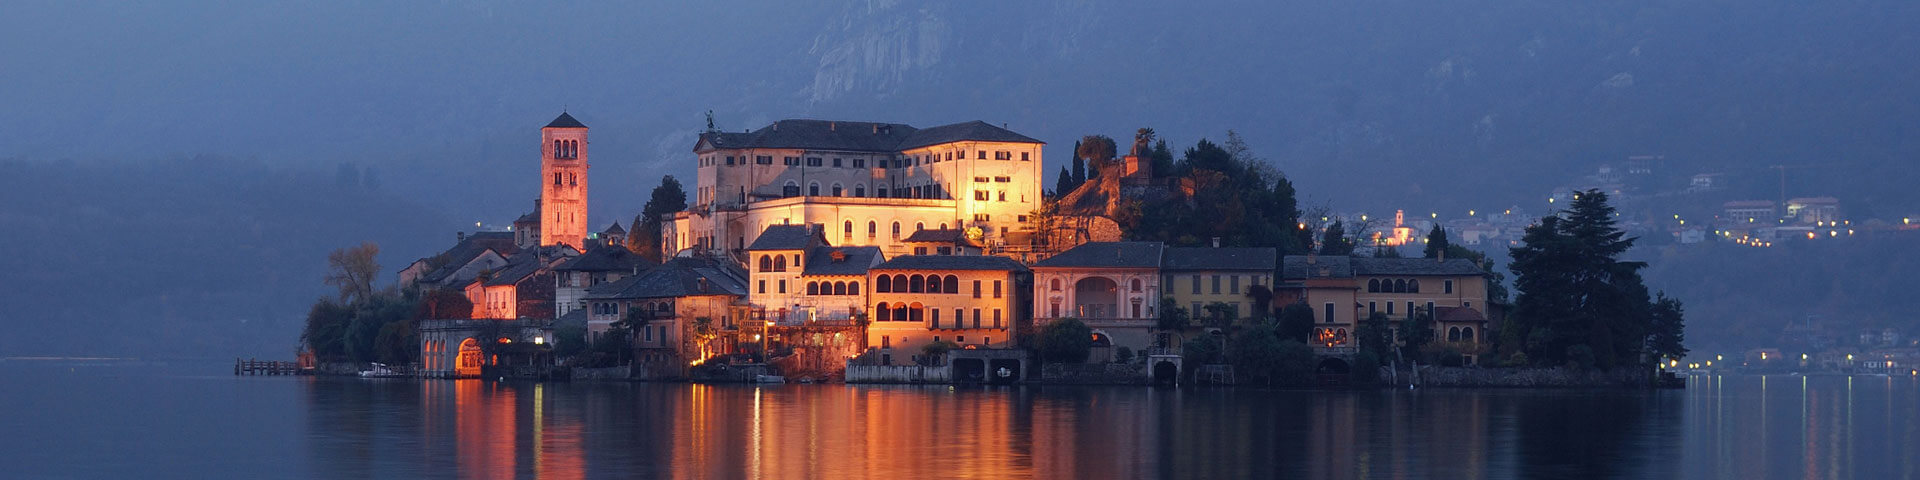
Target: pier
<point>268,367</point>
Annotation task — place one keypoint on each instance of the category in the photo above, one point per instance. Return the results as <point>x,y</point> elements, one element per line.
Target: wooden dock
<point>268,367</point>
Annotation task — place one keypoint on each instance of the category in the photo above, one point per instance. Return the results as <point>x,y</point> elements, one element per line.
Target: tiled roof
<point>1295,267</point>
<point>788,237</point>
<point>1108,255</point>
<point>951,262</point>
<point>604,259</point>
<point>517,269</point>
<point>947,235</point>
<point>470,247</point>
<point>615,229</point>
<point>858,136</point>
<point>856,261</point>
<point>1458,314</point>
<point>680,277</point>
<point>1200,258</point>
<point>565,121</point>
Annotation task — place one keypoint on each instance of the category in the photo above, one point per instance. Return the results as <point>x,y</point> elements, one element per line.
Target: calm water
<point>195,420</point>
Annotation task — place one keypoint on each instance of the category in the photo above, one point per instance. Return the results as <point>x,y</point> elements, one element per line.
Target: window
<point>1003,195</point>
<point>1023,156</point>
<point>976,318</point>
<point>980,195</point>
<point>780,264</point>
<point>729,160</point>
<point>814,162</point>
<point>980,179</point>
<point>766,264</point>
<point>813,288</point>
<point>837,191</point>
<point>919,250</point>
<point>1055,313</point>
<point>1328,312</point>
<point>790,161</point>
<point>1136,285</point>
<point>1233,282</point>
<point>996,289</point>
<point>1413,286</point>
<point>790,190</point>
<point>1196,290</point>
<point>763,159</point>
<point>783,286</point>
<point>556,179</point>
<point>813,189</point>
<point>1021,218</point>
<point>980,155</point>
<point>848,230</point>
<point>1449,286</point>
<point>836,161</point>
<point>860,190</point>
<point>763,286</point>
<point>882,313</point>
<point>936,320</point>
<point>896,228</point>
<point>1002,155</point>
<point>1389,308</point>
<point>873,229</point>
<point>996,315</point>
<point>976,287</point>
<point>883,285</point>
<point>952,284</point>
<point>1002,179</point>
<point>981,217</point>
<point>859,163</point>
<point>918,226</point>
<point>1374,307</point>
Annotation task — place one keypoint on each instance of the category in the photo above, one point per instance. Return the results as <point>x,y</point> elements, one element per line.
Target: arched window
<point>899,312</point>
<point>813,189</point>
<point>1413,286</point>
<point>839,288</point>
<point>952,284</point>
<point>766,264</point>
<point>900,284</point>
<point>780,263</point>
<point>556,179</point>
<point>837,190</point>
<point>557,153</point>
<point>1054,285</point>
<point>916,313</point>
<point>1466,333</point>
<point>884,284</point>
<point>943,225</point>
<point>886,314</point>
<point>1136,284</point>
<point>1453,334</point>
<point>1399,286</point>
<point>873,229</point>
<point>1373,286</point>
<point>791,189</point>
<point>918,226</point>
<point>896,229</point>
<point>933,284</point>
<point>860,190</point>
<point>813,288</point>
<point>916,284</point>
<point>853,288</point>
<point>848,229</point>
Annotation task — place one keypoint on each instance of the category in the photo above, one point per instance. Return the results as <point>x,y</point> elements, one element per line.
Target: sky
<point>1367,105</point>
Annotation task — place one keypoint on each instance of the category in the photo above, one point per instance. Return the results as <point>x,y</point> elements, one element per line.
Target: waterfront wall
<point>1433,376</point>
<point>608,373</point>
<point>898,374</point>
<point>1094,373</point>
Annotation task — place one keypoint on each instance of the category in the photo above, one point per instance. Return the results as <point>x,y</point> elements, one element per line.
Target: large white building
<point>866,184</point>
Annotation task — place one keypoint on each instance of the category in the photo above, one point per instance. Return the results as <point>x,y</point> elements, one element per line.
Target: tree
<point>1437,243</point>
<point>1668,337</point>
<point>1079,167</point>
<point>1172,317</point>
<point>1386,251</point>
<point>1416,331</point>
<point>1065,183</point>
<point>1122,354</point>
<point>667,198</point>
<point>1202,350</point>
<point>1162,158</point>
<point>1066,340</point>
<point>936,350</point>
<point>326,329</point>
<point>1262,301</point>
<point>1258,352</point>
<point>1220,314</point>
<point>1375,335</point>
<point>1575,292</point>
<point>1334,242</point>
<point>1296,322</point>
<point>1099,152</point>
<point>442,304</point>
<point>352,270</point>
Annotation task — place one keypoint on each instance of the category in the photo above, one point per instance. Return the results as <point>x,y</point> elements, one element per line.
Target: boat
<point>380,370</point>
<point>769,379</point>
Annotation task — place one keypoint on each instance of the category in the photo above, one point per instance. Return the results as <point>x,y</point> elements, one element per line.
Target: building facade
<point>972,301</point>
<point>1114,287</point>
<point>1346,290</point>
<point>1195,278</point>
<point>868,184</point>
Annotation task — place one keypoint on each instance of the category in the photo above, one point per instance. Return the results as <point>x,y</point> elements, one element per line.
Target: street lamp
<point>766,336</point>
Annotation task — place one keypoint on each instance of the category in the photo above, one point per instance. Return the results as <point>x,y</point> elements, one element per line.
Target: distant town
<point>839,251</point>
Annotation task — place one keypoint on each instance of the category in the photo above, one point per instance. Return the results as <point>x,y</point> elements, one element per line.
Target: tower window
<point>556,179</point>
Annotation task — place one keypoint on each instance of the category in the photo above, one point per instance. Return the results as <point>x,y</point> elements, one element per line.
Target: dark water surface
<point>72,419</point>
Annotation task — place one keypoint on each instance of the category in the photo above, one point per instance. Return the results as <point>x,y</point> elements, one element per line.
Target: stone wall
<point>1095,373</point>
<point>1432,376</point>
<point>608,373</point>
<point>898,374</point>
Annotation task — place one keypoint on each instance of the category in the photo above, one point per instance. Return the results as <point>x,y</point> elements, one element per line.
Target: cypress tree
<point>1079,166</point>
<point>1437,242</point>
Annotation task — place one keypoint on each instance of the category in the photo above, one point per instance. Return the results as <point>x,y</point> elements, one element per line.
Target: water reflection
<point>1721,427</point>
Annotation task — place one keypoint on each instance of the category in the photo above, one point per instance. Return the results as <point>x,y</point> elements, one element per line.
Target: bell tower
<point>563,183</point>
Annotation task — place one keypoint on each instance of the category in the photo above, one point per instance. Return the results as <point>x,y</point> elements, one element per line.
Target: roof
<point>856,260</point>
<point>604,259</point>
<point>565,121</point>
<point>1748,204</point>
<point>952,236</point>
<point>858,136</point>
<point>1108,255</point>
<point>470,247</point>
<point>975,130</point>
<point>788,237</point>
<point>951,262</point>
<point>1193,258</point>
<point>615,229</point>
<point>1299,267</point>
<point>1458,314</point>
<point>531,218</point>
<point>517,269</point>
<point>680,277</point>
<point>1296,267</point>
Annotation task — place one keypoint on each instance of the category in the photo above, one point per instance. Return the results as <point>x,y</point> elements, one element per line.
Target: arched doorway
<point>1165,372</point>
<point>1333,365</point>
<point>468,364</point>
<point>1096,297</point>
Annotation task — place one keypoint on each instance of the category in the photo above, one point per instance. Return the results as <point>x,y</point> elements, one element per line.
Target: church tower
<point>563,183</point>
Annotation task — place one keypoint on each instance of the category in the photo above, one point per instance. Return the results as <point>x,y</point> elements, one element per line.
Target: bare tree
<point>352,269</point>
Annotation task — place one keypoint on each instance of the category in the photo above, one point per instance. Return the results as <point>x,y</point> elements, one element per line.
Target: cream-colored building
<point>1114,287</point>
<point>868,184</point>
<point>686,309</point>
<point>973,301</point>
<point>796,276</point>
<point>1345,290</point>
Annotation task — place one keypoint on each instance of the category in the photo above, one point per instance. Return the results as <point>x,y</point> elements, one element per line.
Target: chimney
<point>1216,242</point>
<point>1442,257</point>
<point>876,129</point>
<point>833,126</point>
<point>459,236</point>
<point>776,126</point>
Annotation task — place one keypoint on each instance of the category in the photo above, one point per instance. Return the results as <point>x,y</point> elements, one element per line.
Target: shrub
<point>1067,340</point>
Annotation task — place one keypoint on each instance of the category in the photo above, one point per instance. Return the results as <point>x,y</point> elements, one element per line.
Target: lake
<point>123,419</point>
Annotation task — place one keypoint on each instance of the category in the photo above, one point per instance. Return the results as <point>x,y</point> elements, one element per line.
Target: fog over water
<point>173,174</point>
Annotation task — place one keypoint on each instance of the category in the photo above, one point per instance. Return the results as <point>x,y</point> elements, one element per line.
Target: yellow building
<point>869,184</point>
<point>1345,290</point>
<point>680,310</point>
<point>920,299</point>
<point>1197,277</point>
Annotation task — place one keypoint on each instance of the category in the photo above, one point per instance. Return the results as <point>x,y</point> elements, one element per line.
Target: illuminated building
<point>1345,290</point>
<point>920,299</point>
<point>1197,277</point>
<point>798,277</point>
<point>563,183</point>
<point>868,184</point>
<point>598,266</point>
<point>1114,287</point>
<point>679,311</point>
